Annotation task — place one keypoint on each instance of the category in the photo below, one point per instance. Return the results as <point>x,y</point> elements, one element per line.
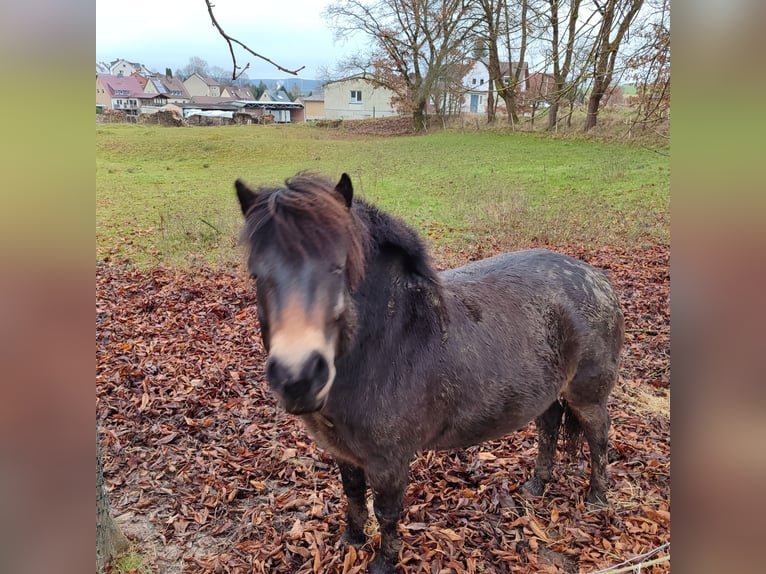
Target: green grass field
<point>165,195</point>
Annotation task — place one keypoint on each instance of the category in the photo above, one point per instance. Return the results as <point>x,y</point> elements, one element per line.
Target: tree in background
<point>168,73</point>
<point>649,65</point>
<point>616,19</point>
<point>561,52</point>
<point>501,30</point>
<point>418,41</point>
<point>196,64</point>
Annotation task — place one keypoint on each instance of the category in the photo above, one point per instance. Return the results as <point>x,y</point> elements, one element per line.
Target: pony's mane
<point>306,218</point>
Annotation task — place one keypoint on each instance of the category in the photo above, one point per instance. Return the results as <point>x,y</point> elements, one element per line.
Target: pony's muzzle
<point>300,388</point>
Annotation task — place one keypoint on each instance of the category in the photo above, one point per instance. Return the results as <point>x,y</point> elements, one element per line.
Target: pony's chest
<point>328,436</point>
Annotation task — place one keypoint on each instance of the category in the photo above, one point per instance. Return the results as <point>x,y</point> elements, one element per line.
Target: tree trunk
<point>419,116</point>
<point>109,540</point>
<point>606,51</point>
<point>591,119</point>
<point>553,114</point>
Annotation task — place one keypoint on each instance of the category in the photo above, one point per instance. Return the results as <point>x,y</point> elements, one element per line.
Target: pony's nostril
<point>276,373</point>
<point>315,369</point>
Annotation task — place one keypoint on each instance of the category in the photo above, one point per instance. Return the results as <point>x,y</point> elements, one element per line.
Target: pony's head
<point>306,255</point>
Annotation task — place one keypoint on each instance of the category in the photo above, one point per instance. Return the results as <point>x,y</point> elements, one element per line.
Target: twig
<point>230,41</point>
<point>616,569</point>
<point>211,225</point>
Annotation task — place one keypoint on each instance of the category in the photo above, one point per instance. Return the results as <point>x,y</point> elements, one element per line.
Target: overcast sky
<point>166,33</point>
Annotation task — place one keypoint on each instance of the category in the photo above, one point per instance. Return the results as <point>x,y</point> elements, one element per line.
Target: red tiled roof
<point>116,84</point>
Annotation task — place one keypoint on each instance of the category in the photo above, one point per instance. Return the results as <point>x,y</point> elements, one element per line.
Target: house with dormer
<point>237,93</point>
<point>125,93</point>
<point>172,88</point>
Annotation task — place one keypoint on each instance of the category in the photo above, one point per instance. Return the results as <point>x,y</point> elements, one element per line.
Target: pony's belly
<point>474,432</point>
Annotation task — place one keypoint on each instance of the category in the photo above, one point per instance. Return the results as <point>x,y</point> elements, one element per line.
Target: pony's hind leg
<point>355,488</point>
<point>594,420</point>
<point>586,398</point>
<point>548,425</point>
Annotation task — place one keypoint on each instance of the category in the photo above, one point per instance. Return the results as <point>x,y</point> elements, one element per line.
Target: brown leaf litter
<point>210,476</point>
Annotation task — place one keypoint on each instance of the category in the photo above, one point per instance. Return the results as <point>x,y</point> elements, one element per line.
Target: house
<point>122,67</point>
<point>274,96</point>
<point>278,104</point>
<point>173,88</point>
<point>125,93</point>
<point>476,84</point>
<point>197,85</point>
<point>313,106</point>
<point>237,93</point>
<point>357,97</point>
<point>541,88</point>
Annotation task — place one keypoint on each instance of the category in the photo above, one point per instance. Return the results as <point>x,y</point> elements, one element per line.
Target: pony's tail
<point>572,431</point>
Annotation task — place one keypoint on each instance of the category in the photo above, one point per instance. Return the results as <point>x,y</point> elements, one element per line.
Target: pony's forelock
<point>307,217</point>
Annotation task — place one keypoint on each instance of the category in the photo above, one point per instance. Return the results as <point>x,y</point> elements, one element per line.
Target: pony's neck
<point>401,294</point>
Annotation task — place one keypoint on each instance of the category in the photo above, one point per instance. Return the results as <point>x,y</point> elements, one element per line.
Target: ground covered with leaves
<point>207,475</point>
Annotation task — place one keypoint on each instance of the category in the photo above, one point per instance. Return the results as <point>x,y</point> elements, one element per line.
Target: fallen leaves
<point>193,440</point>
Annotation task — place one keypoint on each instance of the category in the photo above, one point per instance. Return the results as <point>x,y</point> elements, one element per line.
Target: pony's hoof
<point>533,486</point>
<point>380,566</point>
<point>355,538</point>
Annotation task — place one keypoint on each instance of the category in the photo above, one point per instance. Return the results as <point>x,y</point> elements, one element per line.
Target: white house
<point>476,84</point>
<point>357,97</point>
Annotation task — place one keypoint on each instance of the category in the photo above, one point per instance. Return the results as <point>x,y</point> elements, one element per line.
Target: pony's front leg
<point>389,486</point>
<point>355,488</point>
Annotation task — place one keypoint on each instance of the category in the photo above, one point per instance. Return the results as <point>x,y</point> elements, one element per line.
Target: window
<point>473,81</point>
<point>356,96</point>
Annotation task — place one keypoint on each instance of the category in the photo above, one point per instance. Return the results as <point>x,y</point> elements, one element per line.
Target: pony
<point>382,357</point>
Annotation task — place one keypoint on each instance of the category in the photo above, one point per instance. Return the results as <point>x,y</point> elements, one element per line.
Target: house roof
<point>141,80</point>
<point>240,93</point>
<point>319,97</point>
<point>208,81</point>
<point>363,76</point>
<point>275,96</point>
<point>175,85</point>
<point>212,100</point>
<point>116,85</point>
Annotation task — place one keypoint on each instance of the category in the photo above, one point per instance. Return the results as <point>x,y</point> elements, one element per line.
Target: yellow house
<point>198,85</point>
<point>357,97</point>
<point>313,106</point>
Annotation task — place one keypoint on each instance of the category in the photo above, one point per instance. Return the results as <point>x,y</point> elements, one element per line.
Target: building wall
<point>102,95</point>
<point>122,68</point>
<point>313,110</point>
<point>196,86</point>
<point>376,101</point>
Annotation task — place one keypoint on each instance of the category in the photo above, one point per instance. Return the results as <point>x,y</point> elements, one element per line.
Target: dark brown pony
<point>382,357</point>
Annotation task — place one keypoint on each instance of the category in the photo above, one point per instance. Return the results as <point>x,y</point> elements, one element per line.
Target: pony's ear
<point>345,188</point>
<point>245,195</point>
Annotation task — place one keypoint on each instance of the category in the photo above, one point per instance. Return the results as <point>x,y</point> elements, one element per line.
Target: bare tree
<point>562,52</point>
<point>649,64</point>
<point>501,32</point>
<point>195,65</point>
<point>238,70</point>
<point>616,19</point>
<point>415,44</point>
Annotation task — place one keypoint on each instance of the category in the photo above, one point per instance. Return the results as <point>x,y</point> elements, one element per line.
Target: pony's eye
<point>338,269</point>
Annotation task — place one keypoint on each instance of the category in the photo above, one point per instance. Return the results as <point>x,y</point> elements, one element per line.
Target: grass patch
<point>165,195</point>
<point>132,562</point>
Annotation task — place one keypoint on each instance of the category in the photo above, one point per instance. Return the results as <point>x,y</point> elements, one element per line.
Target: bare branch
<point>231,41</point>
